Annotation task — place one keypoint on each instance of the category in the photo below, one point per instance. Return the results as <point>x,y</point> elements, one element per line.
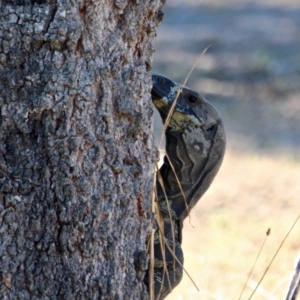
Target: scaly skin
<point>195,144</point>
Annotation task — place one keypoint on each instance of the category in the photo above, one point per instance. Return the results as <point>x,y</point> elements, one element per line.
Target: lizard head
<point>191,110</point>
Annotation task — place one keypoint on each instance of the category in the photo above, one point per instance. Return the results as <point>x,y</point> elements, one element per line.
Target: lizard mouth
<point>161,105</point>
<point>163,93</point>
<point>155,94</point>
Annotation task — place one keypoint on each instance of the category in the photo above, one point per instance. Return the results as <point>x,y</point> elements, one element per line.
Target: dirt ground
<point>251,74</point>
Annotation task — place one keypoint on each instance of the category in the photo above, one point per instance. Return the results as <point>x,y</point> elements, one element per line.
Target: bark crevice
<point>76,148</point>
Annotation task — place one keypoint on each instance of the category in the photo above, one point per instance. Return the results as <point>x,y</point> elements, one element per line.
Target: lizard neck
<point>196,161</point>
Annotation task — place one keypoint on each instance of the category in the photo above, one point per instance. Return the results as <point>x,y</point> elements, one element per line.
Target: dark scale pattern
<point>195,144</point>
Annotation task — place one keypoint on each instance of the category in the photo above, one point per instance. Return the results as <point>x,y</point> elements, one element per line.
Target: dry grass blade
<point>186,272</point>
<point>274,256</point>
<point>151,264</point>
<point>177,95</point>
<point>262,246</point>
<point>160,223</point>
<point>195,64</point>
<point>163,242</point>
<point>154,191</point>
<point>180,187</point>
<point>159,218</point>
<point>151,267</point>
<point>169,117</point>
<point>160,180</point>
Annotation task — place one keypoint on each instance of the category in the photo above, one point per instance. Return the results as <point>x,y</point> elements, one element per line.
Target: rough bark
<point>76,147</point>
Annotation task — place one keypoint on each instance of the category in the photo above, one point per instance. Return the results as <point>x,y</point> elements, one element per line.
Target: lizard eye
<point>192,99</point>
<point>160,79</point>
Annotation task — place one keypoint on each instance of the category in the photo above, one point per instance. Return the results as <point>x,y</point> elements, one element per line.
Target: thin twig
<point>177,95</point>
<point>274,256</point>
<point>267,234</point>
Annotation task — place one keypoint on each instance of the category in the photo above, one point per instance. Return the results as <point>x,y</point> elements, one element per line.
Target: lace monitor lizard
<point>195,145</point>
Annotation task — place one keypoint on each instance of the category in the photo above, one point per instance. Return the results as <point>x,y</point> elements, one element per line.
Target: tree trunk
<point>76,147</point>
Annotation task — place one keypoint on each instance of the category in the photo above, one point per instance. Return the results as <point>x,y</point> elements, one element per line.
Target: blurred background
<point>251,74</point>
